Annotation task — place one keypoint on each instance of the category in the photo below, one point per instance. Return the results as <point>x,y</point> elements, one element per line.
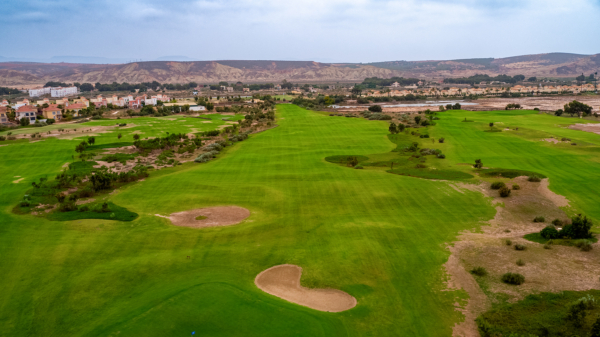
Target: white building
<point>62,92</point>
<point>39,92</point>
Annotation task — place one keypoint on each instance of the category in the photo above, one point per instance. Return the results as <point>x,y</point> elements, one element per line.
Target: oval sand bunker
<point>283,281</point>
<point>210,216</point>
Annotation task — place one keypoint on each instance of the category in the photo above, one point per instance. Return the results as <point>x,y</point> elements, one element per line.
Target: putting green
<point>380,237</point>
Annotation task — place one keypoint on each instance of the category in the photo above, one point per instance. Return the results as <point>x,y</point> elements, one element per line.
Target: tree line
<point>478,78</point>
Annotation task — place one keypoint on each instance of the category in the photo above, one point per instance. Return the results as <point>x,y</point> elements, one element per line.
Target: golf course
<point>379,234</point>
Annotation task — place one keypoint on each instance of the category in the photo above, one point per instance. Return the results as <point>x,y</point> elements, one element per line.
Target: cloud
<point>350,30</point>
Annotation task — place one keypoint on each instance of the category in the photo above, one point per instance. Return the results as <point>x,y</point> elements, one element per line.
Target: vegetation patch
<point>537,237</point>
<point>118,157</point>
<point>105,211</point>
<point>567,313</point>
<point>108,146</point>
<point>508,173</point>
<point>346,160</point>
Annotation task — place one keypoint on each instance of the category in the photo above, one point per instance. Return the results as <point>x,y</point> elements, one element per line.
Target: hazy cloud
<point>322,30</point>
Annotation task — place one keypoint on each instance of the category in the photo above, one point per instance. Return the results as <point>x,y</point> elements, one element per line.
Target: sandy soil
<point>557,269</point>
<point>595,128</point>
<point>215,216</point>
<point>283,281</point>
<point>17,181</point>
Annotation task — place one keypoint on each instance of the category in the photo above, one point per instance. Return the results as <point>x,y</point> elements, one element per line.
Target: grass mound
<point>117,213</point>
<point>508,173</point>
<point>545,314</point>
<point>108,146</point>
<point>432,174</point>
<point>343,159</point>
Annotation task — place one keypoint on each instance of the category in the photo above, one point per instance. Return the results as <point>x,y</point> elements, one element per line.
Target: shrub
<point>564,139</point>
<point>84,208</point>
<point>441,140</point>
<point>504,192</point>
<point>583,245</point>
<point>519,246</point>
<point>549,233</point>
<point>547,246</point>
<point>557,222</point>
<point>479,271</point>
<point>508,242</point>
<point>513,278</point>
<point>375,108</point>
<point>577,313</point>
<point>441,156</point>
<point>358,167</point>
<point>539,219</point>
<point>498,185</point>
<point>573,143</point>
<point>580,227</point>
<point>534,179</point>
<point>516,187</point>
<point>86,192</point>
<point>520,263</point>
<point>2,138</point>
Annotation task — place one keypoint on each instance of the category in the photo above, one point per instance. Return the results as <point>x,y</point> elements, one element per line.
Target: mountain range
<point>17,74</point>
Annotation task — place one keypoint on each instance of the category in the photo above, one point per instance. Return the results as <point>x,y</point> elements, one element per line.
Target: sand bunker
<point>17,181</point>
<point>283,281</point>
<point>215,216</point>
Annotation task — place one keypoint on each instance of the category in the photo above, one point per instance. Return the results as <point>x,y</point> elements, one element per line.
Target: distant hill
<point>541,65</point>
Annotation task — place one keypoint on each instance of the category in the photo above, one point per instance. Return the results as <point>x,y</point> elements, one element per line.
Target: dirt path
<point>210,217</point>
<point>283,281</point>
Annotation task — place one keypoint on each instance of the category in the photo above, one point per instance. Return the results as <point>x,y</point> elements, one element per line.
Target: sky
<point>309,30</point>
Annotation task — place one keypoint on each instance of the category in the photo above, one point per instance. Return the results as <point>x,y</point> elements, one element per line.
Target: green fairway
<point>380,237</point>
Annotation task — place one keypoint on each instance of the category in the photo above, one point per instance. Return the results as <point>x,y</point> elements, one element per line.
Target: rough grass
<point>537,237</point>
<point>538,315</point>
<point>432,174</point>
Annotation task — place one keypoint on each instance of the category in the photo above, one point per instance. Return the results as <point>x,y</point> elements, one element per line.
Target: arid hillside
<point>551,65</point>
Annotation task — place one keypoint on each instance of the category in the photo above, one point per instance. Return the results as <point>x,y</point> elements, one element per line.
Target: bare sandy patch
<point>206,122</point>
<point>83,202</point>
<point>591,127</point>
<point>551,140</point>
<point>211,217</point>
<point>556,269</point>
<point>283,281</point>
<point>17,181</point>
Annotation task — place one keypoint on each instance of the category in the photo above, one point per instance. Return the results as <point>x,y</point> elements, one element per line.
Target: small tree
<point>558,112</point>
<point>581,227</point>
<point>24,121</point>
<point>401,127</point>
<point>417,119</point>
<point>91,140</point>
<point>478,164</point>
<point>136,137</point>
<point>375,108</point>
<point>119,136</point>
<point>393,129</point>
<point>80,148</point>
<point>491,125</point>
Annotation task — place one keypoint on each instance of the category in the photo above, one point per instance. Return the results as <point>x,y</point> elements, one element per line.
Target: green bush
<point>516,187</point>
<point>479,271</point>
<point>358,167</point>
<point>513,278</point>
<point>504,192</point>
<point>508,242</point>
<point>520,263</point>
<point>498,185</point>
<point>584,245</point>
<point>557,222</point>
<point>519,246</point>
<point>539,219</point>
<point>549,233</point>
<point>534,179</point>
<point>375,108</point>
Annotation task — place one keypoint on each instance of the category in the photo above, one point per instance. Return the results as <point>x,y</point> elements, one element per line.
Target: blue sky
<point>320,30</point>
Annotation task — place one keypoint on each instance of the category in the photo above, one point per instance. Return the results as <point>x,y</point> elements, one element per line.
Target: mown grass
<point>381,237</point>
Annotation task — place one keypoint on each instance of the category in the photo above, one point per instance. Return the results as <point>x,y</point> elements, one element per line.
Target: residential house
<point>134,103</point>
<point>52,113</point>
<point>246,89</point>
<point>4,103</point>
<point>44,101</point>
<point>17,105</point>
<point>3,115</point>
<point>82,100</point>
<point>278,87</point>
<point>26,111</point>
<point>229,89</point>
<point>76,108</point>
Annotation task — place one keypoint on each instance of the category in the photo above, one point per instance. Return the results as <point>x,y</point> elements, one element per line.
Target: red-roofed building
<point>76,108</point>
<point>26,111</point>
